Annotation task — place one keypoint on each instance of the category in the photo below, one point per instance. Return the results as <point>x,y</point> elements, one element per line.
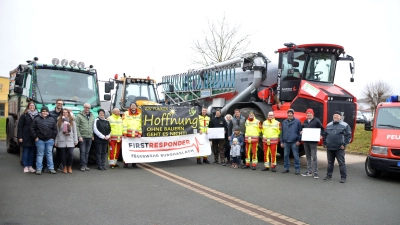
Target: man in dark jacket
<point>290,140</point>
<point>55,114</point>
<point>310,147</point>
<point>218,144</point>
<point>44,131</point>
<point>336,137</point>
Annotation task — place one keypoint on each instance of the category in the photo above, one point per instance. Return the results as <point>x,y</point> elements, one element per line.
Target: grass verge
<point>2,128</point>
<point>362,140</point>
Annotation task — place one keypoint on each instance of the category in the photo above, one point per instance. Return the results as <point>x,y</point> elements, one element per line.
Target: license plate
<point>398,163</point>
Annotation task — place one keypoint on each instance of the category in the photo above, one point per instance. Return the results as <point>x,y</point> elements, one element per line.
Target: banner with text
<point>156,149</point>
<point>164,121</point>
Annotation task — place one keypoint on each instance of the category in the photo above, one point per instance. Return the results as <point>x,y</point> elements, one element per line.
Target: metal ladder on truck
<point>207,82</point>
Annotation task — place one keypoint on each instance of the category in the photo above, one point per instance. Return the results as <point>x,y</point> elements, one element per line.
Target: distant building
<point>4,85</point>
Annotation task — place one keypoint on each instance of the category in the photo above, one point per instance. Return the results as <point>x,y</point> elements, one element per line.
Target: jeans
<point>66,155</point>
<point>84,148</point>
<point>44,148</point>
<point>287,147</point>
<point>311,154</point>
<point>339,155</point>
<point>27,155</point>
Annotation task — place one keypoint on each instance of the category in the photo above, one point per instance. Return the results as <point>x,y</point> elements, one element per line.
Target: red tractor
<point>302,78</point>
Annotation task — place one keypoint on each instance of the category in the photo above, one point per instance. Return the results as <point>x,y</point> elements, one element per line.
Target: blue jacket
<point>291,131</point>
<point>337,134</point>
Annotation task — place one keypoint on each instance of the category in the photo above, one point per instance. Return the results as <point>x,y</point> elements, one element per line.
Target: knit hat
<point>236,128</point>
<point>235,140</point>
<point>290,111</point>
<point>44,109</point>
<point>101,110</point>
<point>251,112</point>
<point>310,111</point>
<point>337,112</point>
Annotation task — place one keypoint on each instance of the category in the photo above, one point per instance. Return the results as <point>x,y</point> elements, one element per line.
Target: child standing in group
<point>235,153</point>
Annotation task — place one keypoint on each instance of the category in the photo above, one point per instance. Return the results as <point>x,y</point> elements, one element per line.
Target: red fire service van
<point>384,152</point>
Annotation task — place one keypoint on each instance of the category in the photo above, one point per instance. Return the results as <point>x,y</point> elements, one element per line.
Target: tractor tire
<point>371,172</point>
<point>12,147</point>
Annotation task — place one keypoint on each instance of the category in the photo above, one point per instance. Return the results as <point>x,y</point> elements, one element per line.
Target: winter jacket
<point>336,134</point>
<point>235,150</point>
<point>235,122</point>
<point>101,128</point>
<point>291,131</point>
<point>66,140</point>
<point>240,139</point>
<point>84,126</point>
<point>24,130</point>
<point>219,122</point>
<point>314,123</point>
<point>53,114</point>
<point>44,128</point>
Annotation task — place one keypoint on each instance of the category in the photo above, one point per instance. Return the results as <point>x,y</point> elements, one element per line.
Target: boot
<point>69,169</point>
<point>205,160</point>
<point>198,161</point>
<point>64,169</point>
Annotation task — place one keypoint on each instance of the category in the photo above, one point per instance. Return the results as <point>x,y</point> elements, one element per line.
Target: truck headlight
<point>379,150</point>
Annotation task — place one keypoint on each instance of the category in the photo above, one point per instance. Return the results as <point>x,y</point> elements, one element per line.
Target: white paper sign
<point>216,133</point>
<point>157,149</point>
<point>311,134</point>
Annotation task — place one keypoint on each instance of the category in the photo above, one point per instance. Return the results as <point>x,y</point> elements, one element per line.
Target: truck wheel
<point>12,147</point>
<point>92,155</point>
<point>371,172</point>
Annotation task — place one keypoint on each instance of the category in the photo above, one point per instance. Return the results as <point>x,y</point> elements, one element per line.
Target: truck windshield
<point>388,117</point>
<point>321,67</point>
<point>67,85</point>
<point>135,92</point>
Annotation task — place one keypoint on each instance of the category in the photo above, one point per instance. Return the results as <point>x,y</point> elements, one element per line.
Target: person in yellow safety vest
<point>204,121</point>
<point>253,130</point>
<point>271,130</point>
<point>115,139</point>
<point>132,123</point>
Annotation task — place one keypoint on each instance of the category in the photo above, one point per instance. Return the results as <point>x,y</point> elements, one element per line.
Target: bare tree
<point>219,43</point>
<point>376,92</point>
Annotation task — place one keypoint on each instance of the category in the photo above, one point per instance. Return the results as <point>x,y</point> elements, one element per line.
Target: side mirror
<point>290,57</point>
<point>107,97</point>
<point>107,88</point>
<point>19,79</point>
<point>18,90</point>
<point>352,68</point>
<point>111,85</point>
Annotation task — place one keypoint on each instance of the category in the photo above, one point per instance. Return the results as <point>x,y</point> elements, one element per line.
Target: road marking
<point>233,202</point>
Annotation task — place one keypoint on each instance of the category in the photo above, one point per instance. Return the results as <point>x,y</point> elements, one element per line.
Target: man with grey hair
<point>84,129</point>
<point>336,136</point>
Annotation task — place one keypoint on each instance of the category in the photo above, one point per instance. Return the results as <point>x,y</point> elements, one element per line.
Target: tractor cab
<point>142,91</point>
<point>314,63</point>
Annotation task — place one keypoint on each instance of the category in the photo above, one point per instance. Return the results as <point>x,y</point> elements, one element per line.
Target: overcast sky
<point>153,38</point>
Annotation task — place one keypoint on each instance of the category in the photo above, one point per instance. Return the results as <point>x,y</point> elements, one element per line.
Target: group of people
<point>40,132</point>
<point>242,140</point>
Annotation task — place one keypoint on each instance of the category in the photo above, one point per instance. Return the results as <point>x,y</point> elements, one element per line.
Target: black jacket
<point>337,134</point>
<point>24,130</point>
<point>44,128</point>
<point>102,126</point>
<point>314,123</point>
<point>55,114</point>
<point>219,122</point>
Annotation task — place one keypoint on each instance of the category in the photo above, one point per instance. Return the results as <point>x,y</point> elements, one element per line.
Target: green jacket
<point>84,126</point>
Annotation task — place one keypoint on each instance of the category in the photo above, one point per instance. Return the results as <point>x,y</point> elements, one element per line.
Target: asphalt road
<point>152,196</point>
